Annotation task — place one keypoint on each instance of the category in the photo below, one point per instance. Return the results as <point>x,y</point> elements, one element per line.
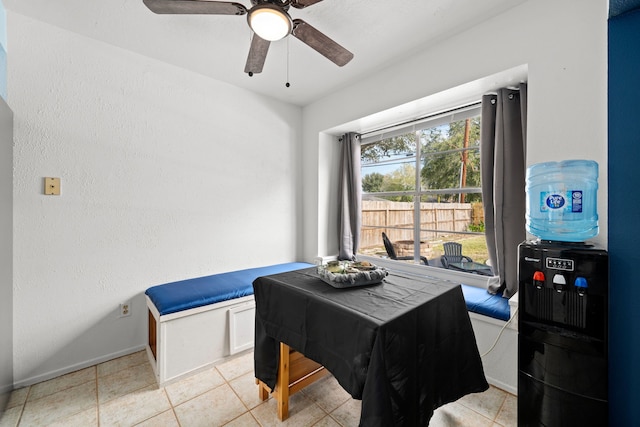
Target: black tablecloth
<point>405,346</point>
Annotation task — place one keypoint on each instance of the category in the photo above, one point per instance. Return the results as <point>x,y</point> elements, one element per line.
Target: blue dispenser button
<point>581,285</point>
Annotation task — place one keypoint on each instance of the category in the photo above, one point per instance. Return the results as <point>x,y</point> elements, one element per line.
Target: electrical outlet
<point>125,309</point>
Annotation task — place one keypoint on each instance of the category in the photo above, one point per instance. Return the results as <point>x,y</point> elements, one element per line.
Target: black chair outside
<point>453,253</point>
<point>392,252</point>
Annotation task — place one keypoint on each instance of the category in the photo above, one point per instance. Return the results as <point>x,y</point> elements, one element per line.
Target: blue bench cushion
<point>186,294</point>
<point>482,302</point>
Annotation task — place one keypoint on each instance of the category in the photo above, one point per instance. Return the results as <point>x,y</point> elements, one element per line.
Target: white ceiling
<point>378,32</point>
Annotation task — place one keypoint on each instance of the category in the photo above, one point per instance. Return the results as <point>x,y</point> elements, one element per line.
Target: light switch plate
<point>52,186</point>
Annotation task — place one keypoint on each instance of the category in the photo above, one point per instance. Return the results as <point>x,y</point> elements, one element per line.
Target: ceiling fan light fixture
<point>269,22</point>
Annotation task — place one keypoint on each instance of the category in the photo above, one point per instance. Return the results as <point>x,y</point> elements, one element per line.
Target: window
<point>421,187</point>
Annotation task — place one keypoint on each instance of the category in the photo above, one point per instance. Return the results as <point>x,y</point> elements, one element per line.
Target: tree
<point>389,147</point>
<point>442,158</point>
<point>401,179</point>
<point>442,154</point>
<point>372,183</point>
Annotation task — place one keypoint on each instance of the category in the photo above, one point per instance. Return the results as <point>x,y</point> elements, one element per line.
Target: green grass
<point>474,247</point>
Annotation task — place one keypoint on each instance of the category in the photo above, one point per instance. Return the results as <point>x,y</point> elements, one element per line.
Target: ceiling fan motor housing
<point>284,4</point>
<point>269,21</point>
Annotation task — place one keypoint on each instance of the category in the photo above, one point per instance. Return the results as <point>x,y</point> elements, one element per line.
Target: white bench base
<point>501,364</point>
<point>182,343</point>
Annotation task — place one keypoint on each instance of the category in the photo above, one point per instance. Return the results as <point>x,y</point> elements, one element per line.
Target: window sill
<point>426,270</point>
<point>453,276</point>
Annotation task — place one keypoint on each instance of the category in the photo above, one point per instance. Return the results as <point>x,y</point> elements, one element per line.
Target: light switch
<point>52,186</point>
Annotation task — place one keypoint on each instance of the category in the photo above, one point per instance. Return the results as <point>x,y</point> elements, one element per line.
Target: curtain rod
<point>356,135</point>
<point>428,116</point>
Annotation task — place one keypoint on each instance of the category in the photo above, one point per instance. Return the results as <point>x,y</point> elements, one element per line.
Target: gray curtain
<point>350,196</point>
<point>503,167</point>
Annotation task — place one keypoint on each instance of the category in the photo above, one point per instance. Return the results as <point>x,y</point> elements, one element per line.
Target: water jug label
<point>576,201</point>
<point>570,201</point>
<point>553,201</point>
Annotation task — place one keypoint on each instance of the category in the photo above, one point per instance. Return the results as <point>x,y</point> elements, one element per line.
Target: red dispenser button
<point>538,279</point>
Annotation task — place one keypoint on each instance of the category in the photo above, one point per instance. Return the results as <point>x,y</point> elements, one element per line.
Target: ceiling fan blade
<point>321,43</point>
<point>301,4</point>
<point>257,55</point>
<point>205,7</point>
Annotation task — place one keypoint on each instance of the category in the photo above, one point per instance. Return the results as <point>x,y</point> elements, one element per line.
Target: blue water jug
<point>562,200</point>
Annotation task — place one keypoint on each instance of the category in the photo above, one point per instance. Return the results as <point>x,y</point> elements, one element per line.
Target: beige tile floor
<point>123,392</point>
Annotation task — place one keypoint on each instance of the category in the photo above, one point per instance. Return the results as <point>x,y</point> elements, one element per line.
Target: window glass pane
<point>451,156</point>
<point>390,165</point>
<point>389,216</point>
<point>446,205</point>
<point>460,222</point>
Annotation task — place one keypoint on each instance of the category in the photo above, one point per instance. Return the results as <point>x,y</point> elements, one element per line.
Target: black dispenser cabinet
<point>562,334</point>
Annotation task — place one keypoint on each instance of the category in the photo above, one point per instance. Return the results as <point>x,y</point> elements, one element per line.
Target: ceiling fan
<point>269,21</point>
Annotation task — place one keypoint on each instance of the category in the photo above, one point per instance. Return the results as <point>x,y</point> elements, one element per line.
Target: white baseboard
<point>502,385</point>
<point>76,367</point>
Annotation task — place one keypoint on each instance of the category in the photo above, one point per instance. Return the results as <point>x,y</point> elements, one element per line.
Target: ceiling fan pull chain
<point>287,84</point>
<point>250,73</point>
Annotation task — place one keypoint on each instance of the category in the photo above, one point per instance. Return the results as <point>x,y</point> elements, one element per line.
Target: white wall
<point>162,169</point>
<point>165,175</point>
<point>6,254</point>
<point>563,44</point>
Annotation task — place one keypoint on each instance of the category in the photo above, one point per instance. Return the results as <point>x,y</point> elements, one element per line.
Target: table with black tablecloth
<point>404,346</point>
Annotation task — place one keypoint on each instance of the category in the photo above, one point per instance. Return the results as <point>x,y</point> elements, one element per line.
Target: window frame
<point>416,126</point>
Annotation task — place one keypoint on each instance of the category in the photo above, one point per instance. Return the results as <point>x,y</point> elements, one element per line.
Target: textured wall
<point>624,216</point>
<point>564,45</point>
<point>6,254</point>
<point>165,175</point>
<point>618,7</point>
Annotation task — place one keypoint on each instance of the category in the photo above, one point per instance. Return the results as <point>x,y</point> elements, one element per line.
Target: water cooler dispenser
<point>562,339</point>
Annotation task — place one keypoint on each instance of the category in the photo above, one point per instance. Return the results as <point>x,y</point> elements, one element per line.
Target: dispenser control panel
<point>560,264</point>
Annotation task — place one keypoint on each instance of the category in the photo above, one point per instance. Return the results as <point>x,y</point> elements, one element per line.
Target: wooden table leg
<point>263,390</point>
<point>282,385</point>
<point>291,379</point>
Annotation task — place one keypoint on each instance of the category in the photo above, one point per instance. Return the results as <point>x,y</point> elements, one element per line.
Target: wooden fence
<point>396,220</point>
